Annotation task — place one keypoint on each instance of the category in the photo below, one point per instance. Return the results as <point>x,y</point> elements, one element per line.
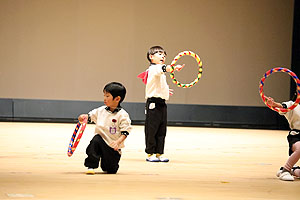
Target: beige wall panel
<point>68,49</point>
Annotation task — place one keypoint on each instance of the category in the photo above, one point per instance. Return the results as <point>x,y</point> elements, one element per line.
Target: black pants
<point>292,139</point>
<point>155,125</point>
<point>99,149</point>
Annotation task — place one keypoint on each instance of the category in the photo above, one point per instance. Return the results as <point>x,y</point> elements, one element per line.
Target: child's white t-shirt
<point>292,116</point>
<point>110,125</point>
<point>157,85</point>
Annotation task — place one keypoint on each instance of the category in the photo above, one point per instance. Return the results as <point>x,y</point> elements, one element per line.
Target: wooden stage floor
<point>205,163</point>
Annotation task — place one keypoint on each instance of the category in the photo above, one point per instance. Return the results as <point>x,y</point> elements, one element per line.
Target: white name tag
<point>151,105</point>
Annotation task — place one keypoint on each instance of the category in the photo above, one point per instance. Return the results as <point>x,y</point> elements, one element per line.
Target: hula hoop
<point>199,62</point>
<point>293,75</point>
<point>75,141</point>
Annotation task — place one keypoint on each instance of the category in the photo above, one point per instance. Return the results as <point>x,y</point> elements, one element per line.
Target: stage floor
<point>205,163</point>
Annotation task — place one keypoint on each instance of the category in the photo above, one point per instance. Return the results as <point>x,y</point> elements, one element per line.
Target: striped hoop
<point>199,62</point>
<point>293,75</point>
<point>75,141</point>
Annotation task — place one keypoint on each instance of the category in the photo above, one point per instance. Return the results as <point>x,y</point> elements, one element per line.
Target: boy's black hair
<point>116,89</point>
<point>155,49</point>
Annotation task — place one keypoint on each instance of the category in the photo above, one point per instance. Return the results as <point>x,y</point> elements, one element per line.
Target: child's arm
<point>272,103</point>
<point>125,128</point>
<point>115,144</point>
<point>177,67</point>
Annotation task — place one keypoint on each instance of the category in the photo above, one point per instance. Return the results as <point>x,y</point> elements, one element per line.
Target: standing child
<point>157,92</point>
<point>285,173</point>
<point>112,128</point>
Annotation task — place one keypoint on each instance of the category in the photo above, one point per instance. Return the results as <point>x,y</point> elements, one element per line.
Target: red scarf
<point>143,76</point>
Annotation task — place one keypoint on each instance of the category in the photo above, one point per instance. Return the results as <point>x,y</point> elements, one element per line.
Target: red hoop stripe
<point>199,62</point>
<point>75,141</point>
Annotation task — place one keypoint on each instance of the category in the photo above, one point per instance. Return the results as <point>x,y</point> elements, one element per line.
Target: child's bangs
<point>159,51</point>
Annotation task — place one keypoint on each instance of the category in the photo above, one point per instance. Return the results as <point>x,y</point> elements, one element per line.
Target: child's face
<point>109,101</point>
<point>158,58</point>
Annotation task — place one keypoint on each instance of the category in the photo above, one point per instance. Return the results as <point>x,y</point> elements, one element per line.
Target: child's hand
<point>179,67</point>
<point>270,101</point>
<point>171,92</point>
<point>82,117</point>
<point>114,145</point>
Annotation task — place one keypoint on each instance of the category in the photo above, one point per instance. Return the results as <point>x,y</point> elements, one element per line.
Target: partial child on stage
<point>157,93</point>
<point>113,125</point>
<point>289,170</point>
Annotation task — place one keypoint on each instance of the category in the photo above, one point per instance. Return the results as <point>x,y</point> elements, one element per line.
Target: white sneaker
<point>161,158</point>
<point>90,171</point>
<point>292,172</point>
<point>286,176</point>
<point>279,172</point>
<point>152,158</point>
